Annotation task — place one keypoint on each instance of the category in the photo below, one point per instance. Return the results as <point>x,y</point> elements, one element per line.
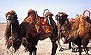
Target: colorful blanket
<point>42,25</point>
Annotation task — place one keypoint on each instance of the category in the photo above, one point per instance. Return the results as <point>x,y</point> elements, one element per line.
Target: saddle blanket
<point>42,25</point>
<point>72,20</point>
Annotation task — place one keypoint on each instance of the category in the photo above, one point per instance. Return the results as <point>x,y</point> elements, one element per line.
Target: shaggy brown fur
<point>14,38</point>
<point>29,32</point>
<point>78,32</point>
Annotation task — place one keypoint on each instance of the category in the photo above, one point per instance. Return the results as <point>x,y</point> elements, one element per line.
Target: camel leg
<point>54,46</point>
<point>34,43</point>
<point>16,44</point>
<point>60,47</point>
<point>59,36</point>
<point>74,48</point>
<point>86,50</point>
<point>80,49</point>
<point>85,42</point>
<point>34,50</point>
<point>85,46</point>
<point>8,43</point>
<point>29,48</point>
<point>69,45</point>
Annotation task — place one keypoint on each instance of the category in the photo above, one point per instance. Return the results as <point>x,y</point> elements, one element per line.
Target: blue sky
<point>71,7</point>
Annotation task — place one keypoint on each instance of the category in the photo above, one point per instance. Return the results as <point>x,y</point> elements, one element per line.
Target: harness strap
<point>86,11</point>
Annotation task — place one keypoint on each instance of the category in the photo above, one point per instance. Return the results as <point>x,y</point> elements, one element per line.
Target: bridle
<point>11,18</point>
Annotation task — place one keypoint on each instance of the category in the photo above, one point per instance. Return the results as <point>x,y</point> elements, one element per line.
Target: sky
<point>21,7</point>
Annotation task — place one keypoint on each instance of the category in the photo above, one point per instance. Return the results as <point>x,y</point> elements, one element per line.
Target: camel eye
<point>8,17</point>
<point>61,14</point>
<point>28,18</point>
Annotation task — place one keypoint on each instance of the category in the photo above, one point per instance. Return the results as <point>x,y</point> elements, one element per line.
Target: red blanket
<point>42,25</point>
<point>72,20</point>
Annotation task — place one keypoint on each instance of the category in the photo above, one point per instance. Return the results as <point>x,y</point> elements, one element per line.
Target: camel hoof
<point>74,50</point>
<point>61,49</point>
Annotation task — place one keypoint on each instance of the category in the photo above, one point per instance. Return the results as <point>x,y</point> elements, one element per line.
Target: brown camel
<point>77,32</point>
<point>32,27</point>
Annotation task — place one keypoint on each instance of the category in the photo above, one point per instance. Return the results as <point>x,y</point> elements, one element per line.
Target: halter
<point>46,11</point>
<point>10,18</point>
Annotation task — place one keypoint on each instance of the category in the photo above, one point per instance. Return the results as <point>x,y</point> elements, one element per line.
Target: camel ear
<point>52,15</point>
<point>66,15</point>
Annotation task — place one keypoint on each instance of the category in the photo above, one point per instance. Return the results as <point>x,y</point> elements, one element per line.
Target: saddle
<point>80,26</point>
<point>42,25</point>
<point>72,20</point>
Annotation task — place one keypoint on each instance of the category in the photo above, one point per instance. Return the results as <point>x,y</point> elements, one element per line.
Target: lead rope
<point>58,41</point>
<point>12,40</point>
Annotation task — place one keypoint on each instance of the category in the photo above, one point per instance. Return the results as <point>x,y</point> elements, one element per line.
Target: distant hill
<point>2,23</point>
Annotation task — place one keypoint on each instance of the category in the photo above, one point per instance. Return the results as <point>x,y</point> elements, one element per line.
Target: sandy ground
<point>43,47</point>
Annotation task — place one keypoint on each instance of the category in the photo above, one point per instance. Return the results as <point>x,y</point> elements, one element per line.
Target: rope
<point>36,13</point>
<point>45,11</point>
<point>12,39</point>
